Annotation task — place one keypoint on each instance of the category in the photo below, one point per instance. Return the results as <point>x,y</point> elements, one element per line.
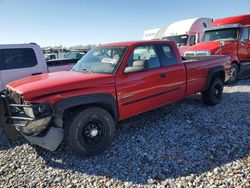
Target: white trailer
<point>150,34</point>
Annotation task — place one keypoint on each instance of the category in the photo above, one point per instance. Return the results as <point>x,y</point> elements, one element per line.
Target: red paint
<point>147,89</point>
<point>241,19</point>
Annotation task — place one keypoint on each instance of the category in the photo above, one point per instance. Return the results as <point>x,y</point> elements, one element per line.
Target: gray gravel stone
<point>186,144</point>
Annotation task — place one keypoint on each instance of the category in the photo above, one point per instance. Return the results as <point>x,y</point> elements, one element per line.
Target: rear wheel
<point>90,131</point>
<point>214,93</point>
<point>234,74</point>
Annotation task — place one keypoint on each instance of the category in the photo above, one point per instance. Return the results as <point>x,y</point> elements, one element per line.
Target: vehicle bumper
<point>36,128</point>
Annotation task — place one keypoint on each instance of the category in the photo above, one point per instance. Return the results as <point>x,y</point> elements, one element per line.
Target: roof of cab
<point>23,44</point>
<point>141,42</point>
<point>241,19</point>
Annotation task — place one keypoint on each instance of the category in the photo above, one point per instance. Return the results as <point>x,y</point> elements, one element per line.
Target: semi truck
<point>227,36</point>
<point>187,32</point>
<point>184,33</point>
<point>109,84</point>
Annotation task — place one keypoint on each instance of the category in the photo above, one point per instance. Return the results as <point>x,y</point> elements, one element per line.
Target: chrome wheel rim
<point>233,73</point>
<point>93,132</point>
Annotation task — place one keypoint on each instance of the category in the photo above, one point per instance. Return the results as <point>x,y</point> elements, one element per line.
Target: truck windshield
<point>180,40</point>
<point>101,60</point>
<point>229,34</point>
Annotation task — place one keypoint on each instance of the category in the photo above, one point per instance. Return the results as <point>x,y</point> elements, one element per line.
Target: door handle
<point>243,44</point>
<point>36,73</point>
<point>163,75</point>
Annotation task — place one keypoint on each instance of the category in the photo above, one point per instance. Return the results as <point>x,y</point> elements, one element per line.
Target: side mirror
<point>137,67</point>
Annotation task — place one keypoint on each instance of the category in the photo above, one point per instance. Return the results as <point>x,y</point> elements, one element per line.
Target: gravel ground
<point>186,144</point>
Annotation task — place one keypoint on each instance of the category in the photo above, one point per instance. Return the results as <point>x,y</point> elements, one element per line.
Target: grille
<point>189,54</point>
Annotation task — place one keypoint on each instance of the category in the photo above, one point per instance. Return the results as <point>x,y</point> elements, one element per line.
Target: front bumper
<point>15,115</point>
<point>35,127</point>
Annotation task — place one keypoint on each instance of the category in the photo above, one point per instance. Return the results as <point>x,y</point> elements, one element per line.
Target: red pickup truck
<point>110,83</point>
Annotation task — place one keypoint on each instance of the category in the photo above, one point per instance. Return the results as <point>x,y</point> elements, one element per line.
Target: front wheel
<point>234,74</point>
<point>214,93</point>
<point>90,131</point>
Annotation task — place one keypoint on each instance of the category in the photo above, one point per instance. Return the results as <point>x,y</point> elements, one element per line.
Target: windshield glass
<point>101,60</point>
<point>74,55</point>
<point>180,40</point>
<point>228,34</point>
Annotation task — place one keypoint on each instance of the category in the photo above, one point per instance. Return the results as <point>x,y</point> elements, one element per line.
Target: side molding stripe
<point>151,96</point>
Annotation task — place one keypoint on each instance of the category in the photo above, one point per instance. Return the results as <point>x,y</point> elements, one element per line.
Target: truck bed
<point>61,64</point>
<point>197,70</point>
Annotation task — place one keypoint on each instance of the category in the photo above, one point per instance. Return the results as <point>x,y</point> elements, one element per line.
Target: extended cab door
<point>155,86</point>
<point>17,63</point>
<point>173,71</point>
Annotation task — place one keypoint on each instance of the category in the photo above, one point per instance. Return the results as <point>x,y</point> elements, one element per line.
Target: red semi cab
<point>110,83</point>
<point>227,36</point>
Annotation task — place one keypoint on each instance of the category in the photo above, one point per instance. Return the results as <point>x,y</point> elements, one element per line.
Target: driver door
<point>139,91</point>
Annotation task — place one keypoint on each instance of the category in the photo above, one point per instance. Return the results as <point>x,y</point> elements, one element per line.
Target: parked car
<point>227,36</point>
<point>74,55</point>
<point>50,56</point>
<point>22,60</point>
<point>184,33</point>
<point>110,83</point>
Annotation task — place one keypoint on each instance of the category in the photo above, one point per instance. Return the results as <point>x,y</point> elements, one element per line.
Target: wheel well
<point>236,63</point>
<point>219,74</point>
<point>70,111</point>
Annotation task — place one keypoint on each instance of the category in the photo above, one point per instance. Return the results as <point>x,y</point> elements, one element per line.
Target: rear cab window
<point>167,55</point>
<point>17,58</point>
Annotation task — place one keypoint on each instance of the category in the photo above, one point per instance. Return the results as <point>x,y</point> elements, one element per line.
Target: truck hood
<point>52,83</point>
<point>212,46</point>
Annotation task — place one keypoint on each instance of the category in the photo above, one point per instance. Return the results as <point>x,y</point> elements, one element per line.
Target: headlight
<point>197,53</point>
<point>29,111</point>
<point>37,110</point>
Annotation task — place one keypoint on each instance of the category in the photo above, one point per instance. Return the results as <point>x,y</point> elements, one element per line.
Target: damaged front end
<point>33,121</point>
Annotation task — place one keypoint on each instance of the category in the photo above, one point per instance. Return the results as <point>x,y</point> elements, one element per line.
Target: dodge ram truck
<point>110,83</point>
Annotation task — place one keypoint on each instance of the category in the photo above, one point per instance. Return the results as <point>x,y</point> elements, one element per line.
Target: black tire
<point>214,93</point>
<point>234,74</point>
<point>89,131</point>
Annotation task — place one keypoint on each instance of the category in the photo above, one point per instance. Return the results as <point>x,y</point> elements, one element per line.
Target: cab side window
<point>17,58</point>
<point>245,34</point>
<point>192,40</point>
<point>167,55</point>
<point>145,53</point>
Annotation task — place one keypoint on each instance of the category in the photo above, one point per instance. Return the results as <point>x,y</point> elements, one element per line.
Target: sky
<point>82,22</point>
